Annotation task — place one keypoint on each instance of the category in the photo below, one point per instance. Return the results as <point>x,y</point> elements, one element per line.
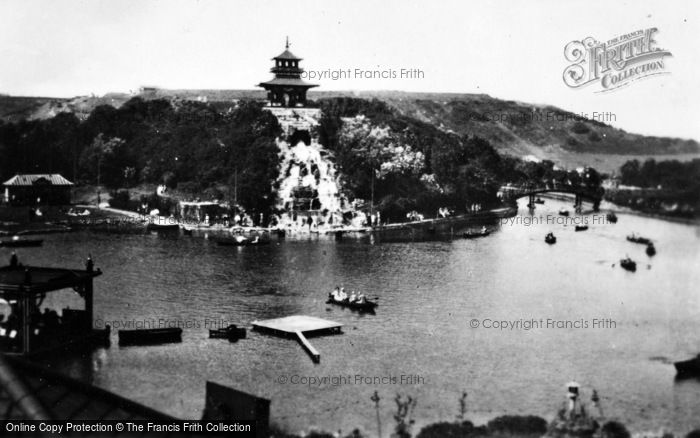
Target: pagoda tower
<point>287,89</point>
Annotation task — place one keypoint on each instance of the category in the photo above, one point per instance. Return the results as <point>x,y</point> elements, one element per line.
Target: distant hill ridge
<point>514,128</point>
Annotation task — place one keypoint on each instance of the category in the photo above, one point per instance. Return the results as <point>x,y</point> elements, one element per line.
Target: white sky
<point>511,50</point>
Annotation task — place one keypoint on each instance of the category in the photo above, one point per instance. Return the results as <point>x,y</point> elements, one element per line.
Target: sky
<point>508,49</point>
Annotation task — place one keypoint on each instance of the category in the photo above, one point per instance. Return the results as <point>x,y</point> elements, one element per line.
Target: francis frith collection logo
<point>614,63</point>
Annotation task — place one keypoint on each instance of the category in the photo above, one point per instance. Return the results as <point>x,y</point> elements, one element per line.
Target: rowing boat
<point>475,234</point>
<point>19,241</point>
<point>233,333</point>
<point>242,241</point>
<point>366,306</point>
<point>150,336</point>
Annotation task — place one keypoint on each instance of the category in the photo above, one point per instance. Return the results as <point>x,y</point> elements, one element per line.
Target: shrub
<point>120,199</point>
<point>614,429</point>
<point>169,179</point>
<point>449,430</point>
<point>580,128</point>
<point>517,424</point>
<point>189,187</point>
<point>213,193</point>
<point>594,136</point>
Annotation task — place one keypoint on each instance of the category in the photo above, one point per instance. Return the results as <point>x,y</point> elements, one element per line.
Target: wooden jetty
<point>296,326</point>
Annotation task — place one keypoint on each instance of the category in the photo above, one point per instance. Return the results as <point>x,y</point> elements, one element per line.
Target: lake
<point>611,330</point>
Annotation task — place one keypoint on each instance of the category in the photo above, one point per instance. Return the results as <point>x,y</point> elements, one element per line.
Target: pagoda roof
<point>288,81</point>
<point>287,55</point>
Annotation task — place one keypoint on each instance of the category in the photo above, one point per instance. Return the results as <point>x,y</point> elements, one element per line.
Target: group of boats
<point>551,239</point>
<point>234,240</point>
<point>232,332</point>
<point>629,264</point>
<point>651,250</point>
<point>169,335</point>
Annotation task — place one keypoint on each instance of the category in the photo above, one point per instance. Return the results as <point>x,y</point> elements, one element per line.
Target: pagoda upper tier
<point>287,89</point>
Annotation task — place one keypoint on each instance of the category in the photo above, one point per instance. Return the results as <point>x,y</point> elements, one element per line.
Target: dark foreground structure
<point>29,391</point>
<point>30,330</point>
<point>26,329</point>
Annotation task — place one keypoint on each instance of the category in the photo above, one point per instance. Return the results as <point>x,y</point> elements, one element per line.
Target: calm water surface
<point>429,293</point>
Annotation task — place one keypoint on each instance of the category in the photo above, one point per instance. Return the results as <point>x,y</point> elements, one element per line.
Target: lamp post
<point>371,203</point>
<point>99,165</point>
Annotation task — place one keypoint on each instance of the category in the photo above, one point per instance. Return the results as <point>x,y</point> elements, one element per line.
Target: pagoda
<point>287,89</point>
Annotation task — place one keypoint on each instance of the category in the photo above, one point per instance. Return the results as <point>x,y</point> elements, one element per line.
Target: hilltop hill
<point>515,128</point>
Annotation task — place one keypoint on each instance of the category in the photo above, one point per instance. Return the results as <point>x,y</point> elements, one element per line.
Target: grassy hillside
<point>514,128</point>
<point>523,129</point>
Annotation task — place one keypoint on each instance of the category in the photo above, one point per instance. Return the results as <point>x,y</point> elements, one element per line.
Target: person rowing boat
<point>356,300</point>
<point>334,293</point>
<point>339,294</point>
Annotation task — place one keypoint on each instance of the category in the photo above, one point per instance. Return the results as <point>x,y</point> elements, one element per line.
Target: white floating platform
<point>289,325</point>
<point>296,326</point>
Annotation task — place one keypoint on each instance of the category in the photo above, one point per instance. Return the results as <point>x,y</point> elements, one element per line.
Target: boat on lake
<point>550,239</point>
<point>539,201</point>
<point>580,227</point>
<point>476,234</point>
<point>638,239</point>
<point>150,336</point>
<point>17,241</point>
<point>688,368</point>
<point>232,332</point>
<point>650,250</point>
<point>628,264</point>
<point>360,306</point>
<point>242,241</point>
<point>564,212</point>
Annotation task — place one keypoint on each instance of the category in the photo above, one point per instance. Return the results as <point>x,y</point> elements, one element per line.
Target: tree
<point>629,173</point>
<point>100,154</point>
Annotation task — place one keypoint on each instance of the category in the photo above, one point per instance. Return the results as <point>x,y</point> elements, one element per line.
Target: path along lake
<point>429,294</point>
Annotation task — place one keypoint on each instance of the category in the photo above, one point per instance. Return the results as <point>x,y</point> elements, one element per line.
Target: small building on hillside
<point>47,188</point>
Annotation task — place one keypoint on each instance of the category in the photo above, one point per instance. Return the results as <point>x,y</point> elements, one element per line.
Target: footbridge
<point>594,195</point>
